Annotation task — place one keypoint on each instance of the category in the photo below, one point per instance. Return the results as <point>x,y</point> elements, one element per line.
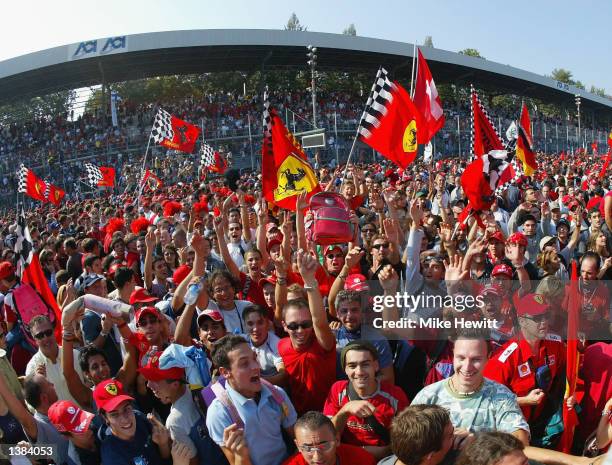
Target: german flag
<point>524,144</point>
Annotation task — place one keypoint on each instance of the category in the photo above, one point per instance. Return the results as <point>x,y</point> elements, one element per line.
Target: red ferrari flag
<point>610,139</point>
<point>427,100</point>
<point>151,181</point>
<point>285,168</point>
<point>100,176</point>
<point>31,185</point>
<point>570,419</point>
<point>174,133</point>
<point>524,144</point>
<point>54,194</point>
<point>484,135</point>
<point>391,124</point>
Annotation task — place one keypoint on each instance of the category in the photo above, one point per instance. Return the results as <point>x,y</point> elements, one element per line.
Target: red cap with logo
<point>67,417</point>
<point>502,269</point>
<point>214,315</point>
<point>518,238</point>
<point>6,269</point>
<point>109,394</point>
<point>356,282</point>
<point>497,236</point>
<point>147,311</point>
<point>531,304</point>
<point>152,372</point>
<point>331,248</point>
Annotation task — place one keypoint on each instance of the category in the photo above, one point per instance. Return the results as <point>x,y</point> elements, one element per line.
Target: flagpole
<point>144,164</point>
<point>413,72</point>
<point>251,140</point>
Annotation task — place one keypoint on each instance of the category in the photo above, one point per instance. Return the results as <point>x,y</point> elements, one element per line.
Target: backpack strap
<point>277,396</point>
<point>372,421</point>
<point>223,397</point>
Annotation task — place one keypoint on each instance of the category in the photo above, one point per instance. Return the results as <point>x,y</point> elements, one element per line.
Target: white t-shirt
<point>233,318</point>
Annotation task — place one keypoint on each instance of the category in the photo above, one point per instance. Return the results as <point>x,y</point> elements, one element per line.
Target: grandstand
<point>54,145</point>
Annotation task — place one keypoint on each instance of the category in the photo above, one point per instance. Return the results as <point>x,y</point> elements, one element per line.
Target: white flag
<point>428,152</point>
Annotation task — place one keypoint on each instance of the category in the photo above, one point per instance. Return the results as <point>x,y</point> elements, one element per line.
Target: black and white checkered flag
<point>267,122</point>
<point>24,249</point>
<point>376,106</point>
<point>162,127</point>
<point>47,188</point>
<point>94,175</point>
<point>23,179</point>
<point>207,155</point>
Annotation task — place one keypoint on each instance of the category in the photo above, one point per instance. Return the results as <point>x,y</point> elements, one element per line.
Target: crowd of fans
<point>200,325</point>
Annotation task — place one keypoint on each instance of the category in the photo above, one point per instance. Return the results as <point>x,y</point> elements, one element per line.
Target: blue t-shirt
<point>140,450</point>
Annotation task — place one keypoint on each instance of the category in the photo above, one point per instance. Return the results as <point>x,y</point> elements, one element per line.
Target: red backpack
<point>331,219</point>
<point>28,304</point>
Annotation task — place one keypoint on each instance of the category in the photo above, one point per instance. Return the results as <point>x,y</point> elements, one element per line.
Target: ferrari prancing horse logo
<point>409,141</point>
<point>111,389</point>
<point>294,176</point>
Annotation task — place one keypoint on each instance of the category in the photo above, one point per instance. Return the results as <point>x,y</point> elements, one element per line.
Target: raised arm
<point>300,206</point>
<point>19,411</point>
<point>352,258</point>
<point>308,265</point>
<point>150,243</point>
<point>225,255</point>
<point>244,215</point>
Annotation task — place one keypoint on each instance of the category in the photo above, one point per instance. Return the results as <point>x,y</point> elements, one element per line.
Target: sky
<point>534,35</point>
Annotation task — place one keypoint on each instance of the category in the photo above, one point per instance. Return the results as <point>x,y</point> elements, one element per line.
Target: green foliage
<point>471,52</point>
<point>350,31</point>
<point>598,91</point>
<point>428,42</point>
<point>294,24</point>
<point>562,75</point>
<point>46,106</point>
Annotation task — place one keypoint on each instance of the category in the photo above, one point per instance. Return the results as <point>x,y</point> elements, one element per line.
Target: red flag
<point>285,168</point>
<point>151,181</point>
<point>391,123</point>
<point>174,133</point>
<point>108,176</point>
<point>55,195</point>
<point>610,139</point>
<point>220,165</point>
<point>570,419</point>
<point>427,100</point>
<point>594,148</point>
<point>484,135</point>
<point>31,185</point>
<point>524,144</point>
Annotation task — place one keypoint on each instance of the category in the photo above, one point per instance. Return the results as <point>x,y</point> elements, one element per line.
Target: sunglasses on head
<point>43,334</point>
<point>296,326</point>
<point>381,246</point>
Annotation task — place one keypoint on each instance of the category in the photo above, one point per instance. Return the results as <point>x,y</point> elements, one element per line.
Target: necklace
<point>451,384</point>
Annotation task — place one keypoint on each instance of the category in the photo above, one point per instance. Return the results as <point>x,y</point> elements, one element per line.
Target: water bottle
<point>193,291</point>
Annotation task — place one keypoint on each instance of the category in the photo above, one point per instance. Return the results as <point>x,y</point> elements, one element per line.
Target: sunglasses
<point>537,318</point>
<point>296,326</point>
<point>43,334</point>
<point>381,246</point>
<point>322,447</point>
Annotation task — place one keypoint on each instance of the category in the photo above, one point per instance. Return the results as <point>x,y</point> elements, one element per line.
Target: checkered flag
<point>207,156</point>
<point>162,127</point>
<point>267,122</point>
<point>47,188</point>
<point>94,175</point>
<point>23,247</point>
<point>376,106</point>
<point>23,179</point>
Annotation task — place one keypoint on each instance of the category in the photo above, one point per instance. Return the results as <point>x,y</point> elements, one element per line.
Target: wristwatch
<point>103,334</point>
<point>309,288</point>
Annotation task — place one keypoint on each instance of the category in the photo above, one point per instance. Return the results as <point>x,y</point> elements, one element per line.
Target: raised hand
<point>353,257</point>
<point>300,202</point>
<point>416,213</point>
<point>307,266</point>
<point>234,440</point>
<point>388,279</point>
<point>197,243</point>
<point>160,435</point>
<point>150,239</point>
<point>181,453</point>
<point>454,271</point>
<point>392,228</point>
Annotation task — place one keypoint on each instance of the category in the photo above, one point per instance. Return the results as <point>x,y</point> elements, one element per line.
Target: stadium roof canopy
<point>199,51</point>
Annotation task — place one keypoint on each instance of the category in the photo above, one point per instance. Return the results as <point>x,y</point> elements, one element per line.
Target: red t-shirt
<point>356,202</point>
<point>345,455</point>
<point>514,366</point>
<point>312,371</point>
<point>254,294</point>
<point>596,372</point>
<point>389,400</point>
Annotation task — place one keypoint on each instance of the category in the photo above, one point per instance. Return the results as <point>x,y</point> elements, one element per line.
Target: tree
<point>598,91</point>
<point>428,42</point>
<point>562,75</point>
<point>45,106</point>
<point>294,24</point>
<point>350,31</point>
<point>471,52</point>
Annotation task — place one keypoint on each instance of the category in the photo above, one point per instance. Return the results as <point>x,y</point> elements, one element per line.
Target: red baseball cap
<point>268,279</point>
<point>152,372</point>
<point>274,241</point>
<point>180,274</point>
<point>109,394</point>
<point>67,417</point>
<point>497,236</point>
<point>147,311</point>
<point>503,269</point>
<point>491,289</point>
<point>270,226</point>
<point>518,238</point>
<point>531,304</point>
<point>214,315</point>
<point>356,282</point>
<point>330,248</point>
<point>141,296</point>
<point>6,269</point>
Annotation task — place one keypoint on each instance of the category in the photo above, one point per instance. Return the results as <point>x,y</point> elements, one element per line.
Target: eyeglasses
<point>322,447</point>
<point>43,334</point>
<point>381,246</point>
<point>296,326</point>
<point>147,321</point>
<point>536,318</point>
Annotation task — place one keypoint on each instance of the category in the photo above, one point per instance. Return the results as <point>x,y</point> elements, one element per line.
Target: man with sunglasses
<point>319,444</point>
<point>47,361</point>
<point>532,363</point>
